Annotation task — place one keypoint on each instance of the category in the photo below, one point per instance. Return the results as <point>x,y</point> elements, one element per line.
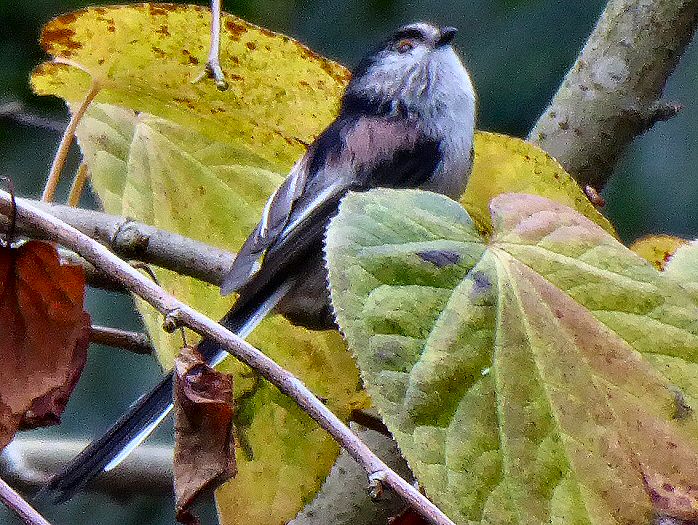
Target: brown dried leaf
<point>44,335</point>
<point>204,448</point>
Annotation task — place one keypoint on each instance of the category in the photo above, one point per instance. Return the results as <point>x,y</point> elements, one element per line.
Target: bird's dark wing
<point>358,154</point>
<point>274,218</point>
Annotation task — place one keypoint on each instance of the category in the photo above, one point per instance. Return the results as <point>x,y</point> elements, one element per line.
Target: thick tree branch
<point>612,93</point>
<point>179,314</point>
<point>134,240</point>
<point>28,463</point>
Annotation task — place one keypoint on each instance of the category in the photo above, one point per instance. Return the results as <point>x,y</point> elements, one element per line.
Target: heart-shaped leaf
<point>547,376</point>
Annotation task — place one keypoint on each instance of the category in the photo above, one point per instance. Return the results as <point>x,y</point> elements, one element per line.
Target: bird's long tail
<point>146,414</point>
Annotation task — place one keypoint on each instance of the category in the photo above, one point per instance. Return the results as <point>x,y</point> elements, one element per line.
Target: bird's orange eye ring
<point>403,46</point>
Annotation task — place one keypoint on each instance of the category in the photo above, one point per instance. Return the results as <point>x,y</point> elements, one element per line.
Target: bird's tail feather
<point>143,417</point>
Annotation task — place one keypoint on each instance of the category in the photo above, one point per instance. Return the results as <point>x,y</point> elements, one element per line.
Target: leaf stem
<point>66,141</point>
<point>78,186</point>
<point>213,69</point>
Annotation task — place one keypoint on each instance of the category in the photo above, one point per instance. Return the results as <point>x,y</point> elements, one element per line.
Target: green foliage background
<point>517,51</point>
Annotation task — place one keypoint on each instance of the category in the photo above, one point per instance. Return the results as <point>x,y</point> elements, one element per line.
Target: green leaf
<point>542,377</point>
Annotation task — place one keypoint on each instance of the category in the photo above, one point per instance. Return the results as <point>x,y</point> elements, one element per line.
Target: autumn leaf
<point>510,165</point>
<point>657,249</point>
<point>204,454</point>
<point>44,335</point>
<point>548,375</point>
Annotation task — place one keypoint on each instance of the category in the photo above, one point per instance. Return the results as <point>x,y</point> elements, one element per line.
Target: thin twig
<point>135,342</point>
<point>15,110</point>
<point>180,314</point>
<point>64,146</point>
<point>78,185</point>
<point>16,503</point>
<point>612,92</point>
<point>213,69</point>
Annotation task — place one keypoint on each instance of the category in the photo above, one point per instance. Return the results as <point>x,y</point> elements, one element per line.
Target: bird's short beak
<point>446,36</point>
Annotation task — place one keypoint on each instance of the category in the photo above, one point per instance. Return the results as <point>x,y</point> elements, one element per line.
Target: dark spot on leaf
<point>304,83</point>
<point>336,73</point>
<point>440,258</point>
<point>100,61</point>
<point>236,29</point>
<point>161,9</point>
<point>481,284</point>
<point>158,51</point>
<point>187,102</point>
<point>59,36</point>
<point>68,18</point>
<point>237,78</point>
<point>682,410</point>
<point>267,32</point>
<point>192,59</point>
<point>251,46</point>
<point>163,30</point>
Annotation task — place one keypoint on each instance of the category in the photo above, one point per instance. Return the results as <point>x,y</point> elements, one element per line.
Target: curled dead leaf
<point>204,448</point>
<point>44,335</point>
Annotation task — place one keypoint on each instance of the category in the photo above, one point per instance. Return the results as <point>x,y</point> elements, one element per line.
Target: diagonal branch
<point>178,314</point>
<point>613,91</point>
<point>16,503</point>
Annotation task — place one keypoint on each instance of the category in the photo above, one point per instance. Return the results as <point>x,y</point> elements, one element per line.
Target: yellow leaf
<point>657,249</point>
<point>506,164</point>
<point>145,56</point>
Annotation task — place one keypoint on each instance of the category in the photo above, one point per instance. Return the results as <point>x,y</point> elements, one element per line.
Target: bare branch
<point>135,342</point>
<point>184,315</point>
<point>16,503</point>
<point>612,93</point>
<point>28,463</point>
<point>133,240</point>
<point>16,110</point>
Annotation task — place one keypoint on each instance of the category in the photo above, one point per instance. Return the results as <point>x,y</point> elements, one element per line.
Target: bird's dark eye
<point>403,46</point>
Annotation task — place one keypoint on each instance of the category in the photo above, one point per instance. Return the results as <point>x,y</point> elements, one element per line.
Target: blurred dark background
<point>517,52</point>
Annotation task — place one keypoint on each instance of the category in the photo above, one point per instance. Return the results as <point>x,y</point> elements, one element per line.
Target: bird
<point>406,120</point>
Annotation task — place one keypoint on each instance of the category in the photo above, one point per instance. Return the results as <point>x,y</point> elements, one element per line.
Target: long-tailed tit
<point>406,121</point>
